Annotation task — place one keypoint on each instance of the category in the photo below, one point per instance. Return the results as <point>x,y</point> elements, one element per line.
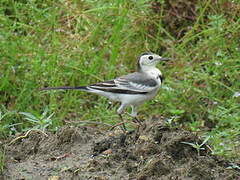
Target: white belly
<point>129,99</point>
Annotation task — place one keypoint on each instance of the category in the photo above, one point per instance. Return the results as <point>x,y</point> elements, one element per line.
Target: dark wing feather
<point>134,83</point>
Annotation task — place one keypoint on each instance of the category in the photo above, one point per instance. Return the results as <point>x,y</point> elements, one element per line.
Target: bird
<point>130,90</point>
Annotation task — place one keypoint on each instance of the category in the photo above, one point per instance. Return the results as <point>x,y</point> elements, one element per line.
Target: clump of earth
<point>155,151</point>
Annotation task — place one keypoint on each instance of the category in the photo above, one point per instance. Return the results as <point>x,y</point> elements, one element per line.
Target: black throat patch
<point>161,77</point>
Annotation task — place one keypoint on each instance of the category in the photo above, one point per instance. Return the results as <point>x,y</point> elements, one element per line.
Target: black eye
<point>150,58</point>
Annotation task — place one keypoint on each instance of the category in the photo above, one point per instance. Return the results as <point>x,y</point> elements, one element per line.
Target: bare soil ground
<point>156,152</point>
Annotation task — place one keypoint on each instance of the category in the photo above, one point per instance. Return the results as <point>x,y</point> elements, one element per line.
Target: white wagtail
<point>131,89</point>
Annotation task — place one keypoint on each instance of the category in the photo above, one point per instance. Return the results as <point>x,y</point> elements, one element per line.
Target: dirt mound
<point>156,152</point>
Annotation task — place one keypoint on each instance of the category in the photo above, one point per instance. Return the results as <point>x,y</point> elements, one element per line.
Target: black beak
<point>165,59</point>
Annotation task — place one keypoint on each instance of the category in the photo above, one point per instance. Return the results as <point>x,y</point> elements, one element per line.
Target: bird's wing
<point>134,83</point>
<point>137,81</point>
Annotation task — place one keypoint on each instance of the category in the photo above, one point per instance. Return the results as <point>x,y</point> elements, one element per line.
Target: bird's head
<point>149,60</point>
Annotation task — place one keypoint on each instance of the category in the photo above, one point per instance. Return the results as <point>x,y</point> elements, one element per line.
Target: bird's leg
<point>135,120</point>
<point>134,115</point>
<point>123,123</point>
<point>119,111</point>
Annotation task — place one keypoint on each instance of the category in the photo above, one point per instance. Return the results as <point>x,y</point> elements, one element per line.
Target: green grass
<point>70,42</point>
<point>2,161</point>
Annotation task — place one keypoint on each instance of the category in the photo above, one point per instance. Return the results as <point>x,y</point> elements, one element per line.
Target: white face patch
<point>148,62</point>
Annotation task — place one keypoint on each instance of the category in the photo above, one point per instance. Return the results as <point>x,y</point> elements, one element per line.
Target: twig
<point>26,134</point>
<point>90,122</point>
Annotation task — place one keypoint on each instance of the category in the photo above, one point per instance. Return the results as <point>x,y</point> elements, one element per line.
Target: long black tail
<point>84,88</point>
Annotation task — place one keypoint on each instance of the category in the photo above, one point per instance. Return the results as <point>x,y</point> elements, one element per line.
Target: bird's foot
<point>136,120</point>
<point>122,125</point>
<point>140,123</point>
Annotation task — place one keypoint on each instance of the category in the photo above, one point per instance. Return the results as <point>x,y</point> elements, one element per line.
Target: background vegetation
<point>72,42</point>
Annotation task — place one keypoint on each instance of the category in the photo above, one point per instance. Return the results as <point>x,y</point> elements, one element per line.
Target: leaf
<point>191,144</point>
<point>49,117</point>
<point>44,113</point>
<point>176,111</point>
<point>28,115</point>
<point>205,140</point>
